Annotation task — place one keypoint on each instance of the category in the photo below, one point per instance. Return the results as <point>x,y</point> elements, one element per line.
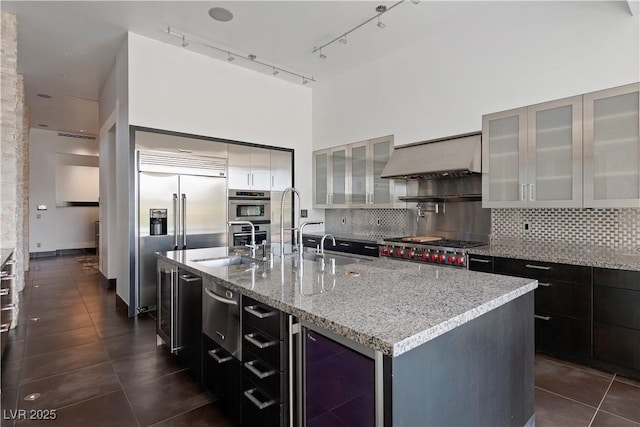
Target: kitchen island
<point>450,346</point>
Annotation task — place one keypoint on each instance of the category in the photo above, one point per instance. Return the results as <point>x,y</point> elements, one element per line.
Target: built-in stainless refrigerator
<point>182,204</point>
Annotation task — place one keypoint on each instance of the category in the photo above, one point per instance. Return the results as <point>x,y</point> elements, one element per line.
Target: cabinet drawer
<point>265,376</point>
<point>359,248</point>
<point>617,278</point>
<point>264,346</point>
<point>311,242</point>
<point>222,375</point>
<point>618,346</point>
<point>542,271</point>
<point>259,408</point>
<point>616,306</point>
<point>263,317</point>
<point>567,299</point>
<point>563,336</point>
<point>481,263</point>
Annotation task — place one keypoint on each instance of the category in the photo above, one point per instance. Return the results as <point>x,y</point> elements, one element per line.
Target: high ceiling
<point>67,49</point>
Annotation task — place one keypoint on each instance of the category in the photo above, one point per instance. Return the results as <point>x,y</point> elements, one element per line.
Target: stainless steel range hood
<point>446,157</point>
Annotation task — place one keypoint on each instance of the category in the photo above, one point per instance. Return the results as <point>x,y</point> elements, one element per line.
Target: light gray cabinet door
<point>612,147</point>
<point>381,190</point>
<point>554,156</point>
<point>321,179</point>
<point>239,167</point>
<point>359,182</point>
<point>504,159</point>
<point>338,194</point>
<point>260,169</point>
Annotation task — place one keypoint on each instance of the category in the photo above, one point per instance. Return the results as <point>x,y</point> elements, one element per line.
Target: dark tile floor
<point>90,362</point>
<point>97,367</point>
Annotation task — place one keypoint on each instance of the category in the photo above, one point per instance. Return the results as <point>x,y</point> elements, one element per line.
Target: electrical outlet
<point>38,245</point>
<point>378,221</point>
<point>304,213</point>
<point>526,227</point>
<point>344,220</point>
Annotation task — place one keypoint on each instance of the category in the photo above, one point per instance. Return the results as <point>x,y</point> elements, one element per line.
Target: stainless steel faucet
<point>253,245</point>
<point>301,229</point>
<point>294,227</point>
<point>322,242</point>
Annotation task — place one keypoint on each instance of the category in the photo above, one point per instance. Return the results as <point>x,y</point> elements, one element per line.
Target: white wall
<point>524,53</point>
<point>59,227</point>
<point>175,89</point>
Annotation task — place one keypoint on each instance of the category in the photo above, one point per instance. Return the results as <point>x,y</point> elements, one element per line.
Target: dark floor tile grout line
<point>604,396</point>
<point>619,416</point>
<point>565,397</point>
<point>124,391</point>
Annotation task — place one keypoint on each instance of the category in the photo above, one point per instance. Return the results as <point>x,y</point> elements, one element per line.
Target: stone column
<point>13,156</point>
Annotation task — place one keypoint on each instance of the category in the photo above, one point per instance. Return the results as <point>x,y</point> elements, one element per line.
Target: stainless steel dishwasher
<point>221,317</point>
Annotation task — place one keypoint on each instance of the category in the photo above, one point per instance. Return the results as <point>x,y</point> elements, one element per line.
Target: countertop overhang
<point>387,305</point>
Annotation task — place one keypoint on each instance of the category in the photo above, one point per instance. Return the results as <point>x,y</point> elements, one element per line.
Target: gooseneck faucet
<point>294,227</point>
<point>301,229</point>
<point>253,245</point>
<point>322,242</point>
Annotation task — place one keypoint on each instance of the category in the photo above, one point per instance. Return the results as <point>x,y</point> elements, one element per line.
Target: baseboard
<point>106,283</point>
<point>62,252</point>
<point>121,305</point>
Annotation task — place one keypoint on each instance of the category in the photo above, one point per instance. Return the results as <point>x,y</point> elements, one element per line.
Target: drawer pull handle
<point>537,316</point>
<point>371,247</point>
<point>344,244</point>
<point>538,267</point>
<point>258,373</point>
<point>4,291</point>
<point>9,277</point>
<point>311,240</point>
<point>259,314</point>
<point>544,285</point>
<point>484,261</point>
<point>255,401</point>
<point>4,328</point>
<point>218,359</point>
<point>251,338</point>
<point>8,307</point>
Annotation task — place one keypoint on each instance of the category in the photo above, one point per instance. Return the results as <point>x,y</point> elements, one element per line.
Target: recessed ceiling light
<point>220,14</point>
<point>42,125</point>
<point>68,54</point>
<point>44,95</point>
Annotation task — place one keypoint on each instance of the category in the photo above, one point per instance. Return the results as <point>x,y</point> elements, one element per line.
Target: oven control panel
<point>454,258</point>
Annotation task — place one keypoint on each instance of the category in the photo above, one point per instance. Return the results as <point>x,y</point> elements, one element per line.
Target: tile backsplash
<point>370,223</point>
<point>613,228</point>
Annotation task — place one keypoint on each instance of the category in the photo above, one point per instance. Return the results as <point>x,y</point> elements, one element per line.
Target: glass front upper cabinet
<point>612,147</point>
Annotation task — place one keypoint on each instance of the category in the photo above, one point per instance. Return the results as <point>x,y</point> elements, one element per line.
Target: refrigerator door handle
<point>175,221</point>
<point>184,221</point>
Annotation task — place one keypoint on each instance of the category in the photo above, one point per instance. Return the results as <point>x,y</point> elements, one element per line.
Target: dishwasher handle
<point>219,298</point>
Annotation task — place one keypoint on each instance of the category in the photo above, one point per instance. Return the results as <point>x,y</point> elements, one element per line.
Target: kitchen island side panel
<point>481,373</point>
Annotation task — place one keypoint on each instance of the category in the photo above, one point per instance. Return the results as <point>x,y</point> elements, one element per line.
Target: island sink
<point>225,262</point>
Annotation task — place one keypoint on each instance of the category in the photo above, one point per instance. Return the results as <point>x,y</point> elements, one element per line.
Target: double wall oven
<point>254,206</point>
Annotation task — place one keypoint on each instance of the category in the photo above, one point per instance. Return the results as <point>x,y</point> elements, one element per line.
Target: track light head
<point>415,1</point>
<point>230,57</point>
<point>343,39</point>
<point>380,24</point>
<point>304,81</point>
<point>275,72</point>
<point>322,55</point>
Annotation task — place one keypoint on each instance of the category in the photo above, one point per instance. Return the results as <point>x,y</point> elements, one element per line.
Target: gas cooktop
<point>429,249</point>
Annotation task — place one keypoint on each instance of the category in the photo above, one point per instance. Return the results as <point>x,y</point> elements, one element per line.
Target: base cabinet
<point>222,376</point>
<point>342,245</point>
<point>562,305</point>
<point>616,316</point>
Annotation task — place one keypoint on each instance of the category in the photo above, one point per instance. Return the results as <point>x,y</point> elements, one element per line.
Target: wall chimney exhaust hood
<point>454,156</point>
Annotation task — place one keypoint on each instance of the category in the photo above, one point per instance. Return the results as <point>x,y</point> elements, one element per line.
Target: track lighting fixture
<point>343,37</point>
<point>185,40</point>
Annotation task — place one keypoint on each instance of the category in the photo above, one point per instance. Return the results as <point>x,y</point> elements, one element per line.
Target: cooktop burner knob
<point>451,259</point>
<point>424,256</point>
<point>385,251</point>
<point>441,258</point>
<point>410,254</point>
<point>399,252</point>
<point>460,260</point>
<point>433,257</point>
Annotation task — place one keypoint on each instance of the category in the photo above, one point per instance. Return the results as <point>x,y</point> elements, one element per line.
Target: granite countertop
<point>388,305</point>
<point>5,254</point>
<point>591,256</point>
